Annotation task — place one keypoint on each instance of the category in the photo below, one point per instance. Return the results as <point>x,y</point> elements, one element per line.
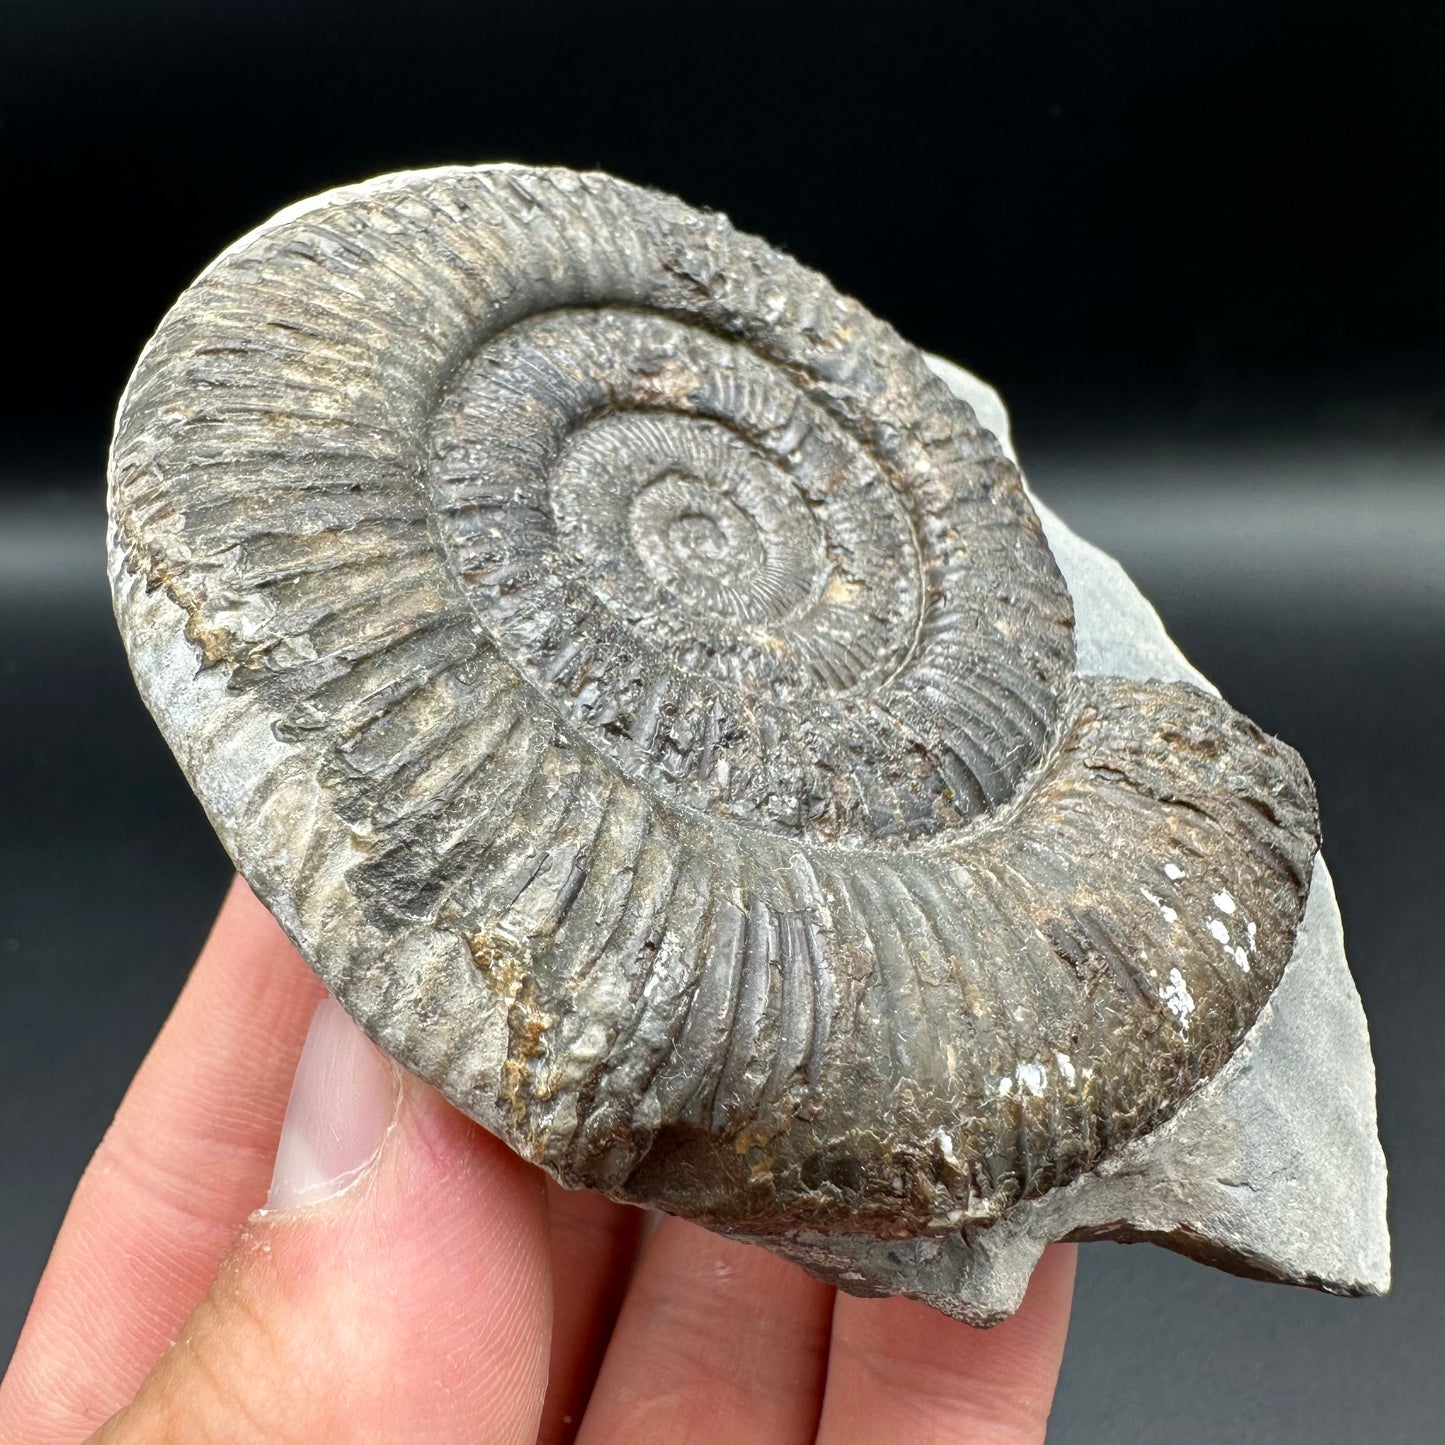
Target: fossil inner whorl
<point>650,702</point>
<point>746,598</point>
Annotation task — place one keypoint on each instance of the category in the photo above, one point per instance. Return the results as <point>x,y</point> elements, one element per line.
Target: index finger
<point>187,1159</point>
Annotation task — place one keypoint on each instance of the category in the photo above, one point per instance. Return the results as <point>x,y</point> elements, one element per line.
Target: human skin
<point>387,1271</point>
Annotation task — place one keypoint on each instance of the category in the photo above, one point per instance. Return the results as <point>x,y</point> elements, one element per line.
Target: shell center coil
<point>686,533</point>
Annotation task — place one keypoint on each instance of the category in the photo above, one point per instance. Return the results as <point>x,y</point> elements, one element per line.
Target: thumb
<point>395,1287</point>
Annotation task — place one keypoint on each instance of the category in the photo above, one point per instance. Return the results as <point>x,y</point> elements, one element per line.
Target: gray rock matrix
<point>649,697</point>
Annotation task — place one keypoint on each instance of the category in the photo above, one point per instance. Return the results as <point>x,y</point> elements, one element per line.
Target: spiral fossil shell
<point>651,706</point>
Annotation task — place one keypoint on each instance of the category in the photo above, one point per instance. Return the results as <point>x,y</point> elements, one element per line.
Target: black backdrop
<point>1198,248</point>
<point>1195,213</point>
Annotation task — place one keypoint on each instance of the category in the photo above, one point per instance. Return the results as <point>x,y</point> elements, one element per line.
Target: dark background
<point>1199,250</point>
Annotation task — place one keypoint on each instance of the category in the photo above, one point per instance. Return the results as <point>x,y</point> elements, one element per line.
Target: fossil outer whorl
<point>641,622</point>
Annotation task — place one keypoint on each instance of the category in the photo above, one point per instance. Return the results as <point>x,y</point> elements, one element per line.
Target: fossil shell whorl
<point>646,626</point>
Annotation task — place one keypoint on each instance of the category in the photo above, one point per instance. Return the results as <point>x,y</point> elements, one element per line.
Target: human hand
<point>411,1279</point>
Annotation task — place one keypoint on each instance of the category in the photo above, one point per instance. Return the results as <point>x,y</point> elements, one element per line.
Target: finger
<point>898,1370</point>
<point>594,1245</point>
<point>396,1288</point>
<point>186,1160</point>
<point>717,1342</point>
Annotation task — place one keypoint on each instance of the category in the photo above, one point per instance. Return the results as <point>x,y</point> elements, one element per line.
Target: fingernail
<point>343,1100</point>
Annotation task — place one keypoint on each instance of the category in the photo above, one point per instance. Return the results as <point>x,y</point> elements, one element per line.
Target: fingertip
<point>344,1099</point>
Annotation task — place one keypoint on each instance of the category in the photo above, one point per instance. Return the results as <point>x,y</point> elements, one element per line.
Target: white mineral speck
<point>1032,1076</point>
<point>1242,959</point>
<point>1173,872</point>
<point>1175,996</point>
<point>1169,915</point>
<point>1066,1067</point>
<point>1220,932</point>
<point>1224,902</point>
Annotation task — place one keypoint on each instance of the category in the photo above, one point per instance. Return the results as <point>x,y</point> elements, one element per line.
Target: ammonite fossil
<point>645,694</point>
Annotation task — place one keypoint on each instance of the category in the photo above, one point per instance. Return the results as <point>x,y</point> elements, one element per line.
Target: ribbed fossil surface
<point>670,738</point>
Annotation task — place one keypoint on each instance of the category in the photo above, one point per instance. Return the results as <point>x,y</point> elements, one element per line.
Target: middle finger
<point>718,1342</point>
<point>594,1244</point>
